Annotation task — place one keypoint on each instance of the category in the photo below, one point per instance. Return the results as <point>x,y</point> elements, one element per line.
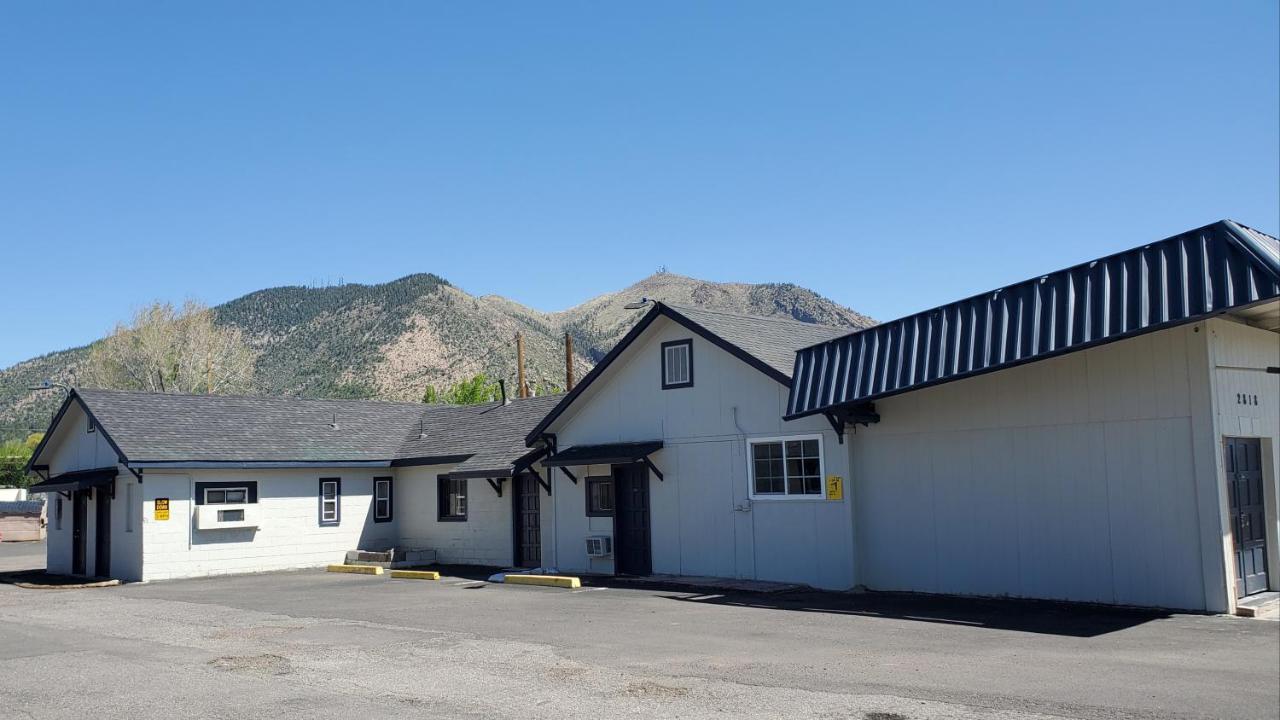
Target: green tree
<point>168,349</point>
<point>474,391</point>
<point>13,460</point>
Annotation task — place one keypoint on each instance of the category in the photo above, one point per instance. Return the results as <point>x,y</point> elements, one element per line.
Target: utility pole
<point>522,390</point>
<point>568,362</point>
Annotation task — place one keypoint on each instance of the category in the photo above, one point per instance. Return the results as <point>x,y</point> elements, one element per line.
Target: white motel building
<point>1106,433</point>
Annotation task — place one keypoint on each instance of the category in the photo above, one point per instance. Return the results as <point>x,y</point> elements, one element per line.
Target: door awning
<point>608,454</point>
<point>76,480</point>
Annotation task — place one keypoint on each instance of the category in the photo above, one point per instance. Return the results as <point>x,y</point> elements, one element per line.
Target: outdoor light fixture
<point>638,305</point>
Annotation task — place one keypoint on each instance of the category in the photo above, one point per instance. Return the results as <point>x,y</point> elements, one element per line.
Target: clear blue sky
<point>891,158</point>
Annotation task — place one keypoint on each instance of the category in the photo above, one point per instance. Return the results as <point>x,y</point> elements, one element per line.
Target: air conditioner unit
<point>226,517</point>
<point>599,546</point>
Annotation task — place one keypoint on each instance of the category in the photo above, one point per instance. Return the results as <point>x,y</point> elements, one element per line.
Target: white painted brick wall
<point>290,535</point>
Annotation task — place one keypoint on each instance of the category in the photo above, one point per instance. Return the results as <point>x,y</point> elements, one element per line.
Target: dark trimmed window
<point>452,505</point>
<point>226,493</point>
<point>599,496</point>
<point>330,501</point>
<point>677,364</point>
<point>381,499</point>
<point>226,496</point>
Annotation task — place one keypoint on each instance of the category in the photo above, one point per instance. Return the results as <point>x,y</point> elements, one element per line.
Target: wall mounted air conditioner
<point>599,546</point>
<point>226,517</point>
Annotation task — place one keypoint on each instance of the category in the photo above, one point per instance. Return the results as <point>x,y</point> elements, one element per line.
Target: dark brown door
<point>631,541</point>
<point>526,498</point>
<point>102,532</point>
<point>79,518</point>
<point>1248,515</point>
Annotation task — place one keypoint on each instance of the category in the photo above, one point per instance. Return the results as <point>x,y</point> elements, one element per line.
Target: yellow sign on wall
<point>162,508</point>
<point>835,487</point>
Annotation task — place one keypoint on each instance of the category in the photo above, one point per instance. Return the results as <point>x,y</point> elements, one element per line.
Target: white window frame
<point>224,491</point>
<point>786,496</point>
<point>384,482</point>
<point>336,500</point>
<point>667,383</point>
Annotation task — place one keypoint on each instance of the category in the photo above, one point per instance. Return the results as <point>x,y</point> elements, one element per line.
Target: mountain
<point>391,340</point>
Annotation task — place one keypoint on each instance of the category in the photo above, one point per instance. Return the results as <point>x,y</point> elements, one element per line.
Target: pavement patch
<point>265,664</point>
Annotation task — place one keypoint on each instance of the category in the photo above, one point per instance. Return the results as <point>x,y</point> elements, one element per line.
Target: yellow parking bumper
<point>416,574</point>
<point>356,569</point>
<point>560,581</point>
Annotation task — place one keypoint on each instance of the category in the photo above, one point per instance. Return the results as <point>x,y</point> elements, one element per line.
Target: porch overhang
<point>76,480</point>
<point>606,454</point>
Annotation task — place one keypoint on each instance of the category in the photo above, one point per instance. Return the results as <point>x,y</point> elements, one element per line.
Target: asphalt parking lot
<point>313,644</point>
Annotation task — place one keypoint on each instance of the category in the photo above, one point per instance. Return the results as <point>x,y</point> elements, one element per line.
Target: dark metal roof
<point>27,508</point>
<point>1178,280</point>
<point>606,454</point>
<point>765,343</point>
<point>77,480</point>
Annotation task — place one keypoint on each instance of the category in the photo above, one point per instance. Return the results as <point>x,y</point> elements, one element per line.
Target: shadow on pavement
<point>1030,616</point>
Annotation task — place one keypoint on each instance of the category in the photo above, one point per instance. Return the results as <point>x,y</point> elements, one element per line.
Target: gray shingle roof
<point>772,340</point>
<point>154,427</point>
<point>494,433</point>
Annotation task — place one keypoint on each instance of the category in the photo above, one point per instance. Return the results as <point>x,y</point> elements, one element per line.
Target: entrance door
<point>631,550</point>
<point>1248,514</point>
<point>526,497</point>
<point>102,532</point>
<point>79,518</point>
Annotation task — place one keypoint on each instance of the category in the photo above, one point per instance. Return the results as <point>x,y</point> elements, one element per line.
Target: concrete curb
<point>415,574</point>
<point>560,581</point>
<point>355,569</point>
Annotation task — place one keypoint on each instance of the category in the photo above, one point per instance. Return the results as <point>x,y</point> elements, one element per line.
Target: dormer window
<point>677,364</point>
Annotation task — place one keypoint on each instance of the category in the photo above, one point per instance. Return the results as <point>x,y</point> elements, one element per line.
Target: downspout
<point>745,507</point>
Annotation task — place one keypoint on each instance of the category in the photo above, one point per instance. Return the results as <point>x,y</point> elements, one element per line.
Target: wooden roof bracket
<point>653,468</point>
<point>545,485</point>
<point>861,414</point>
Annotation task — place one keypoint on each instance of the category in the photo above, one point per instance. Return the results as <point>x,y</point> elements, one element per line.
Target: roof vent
<point>422,430</point>
<point>334,424</point>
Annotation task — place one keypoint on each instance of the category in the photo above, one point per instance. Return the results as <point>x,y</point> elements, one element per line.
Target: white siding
<point>1247,404</point>
<point>71,448</point>
<point>484,538</point>
<point>1071,478</point>
<point>695,527</point>
<point>290,534</point>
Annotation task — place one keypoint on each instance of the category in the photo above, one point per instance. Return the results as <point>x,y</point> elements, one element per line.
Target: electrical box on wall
<point>219,517</point>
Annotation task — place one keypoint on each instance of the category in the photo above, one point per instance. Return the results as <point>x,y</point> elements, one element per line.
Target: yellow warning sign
<point>835,487</point>
<point>162,508</point>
